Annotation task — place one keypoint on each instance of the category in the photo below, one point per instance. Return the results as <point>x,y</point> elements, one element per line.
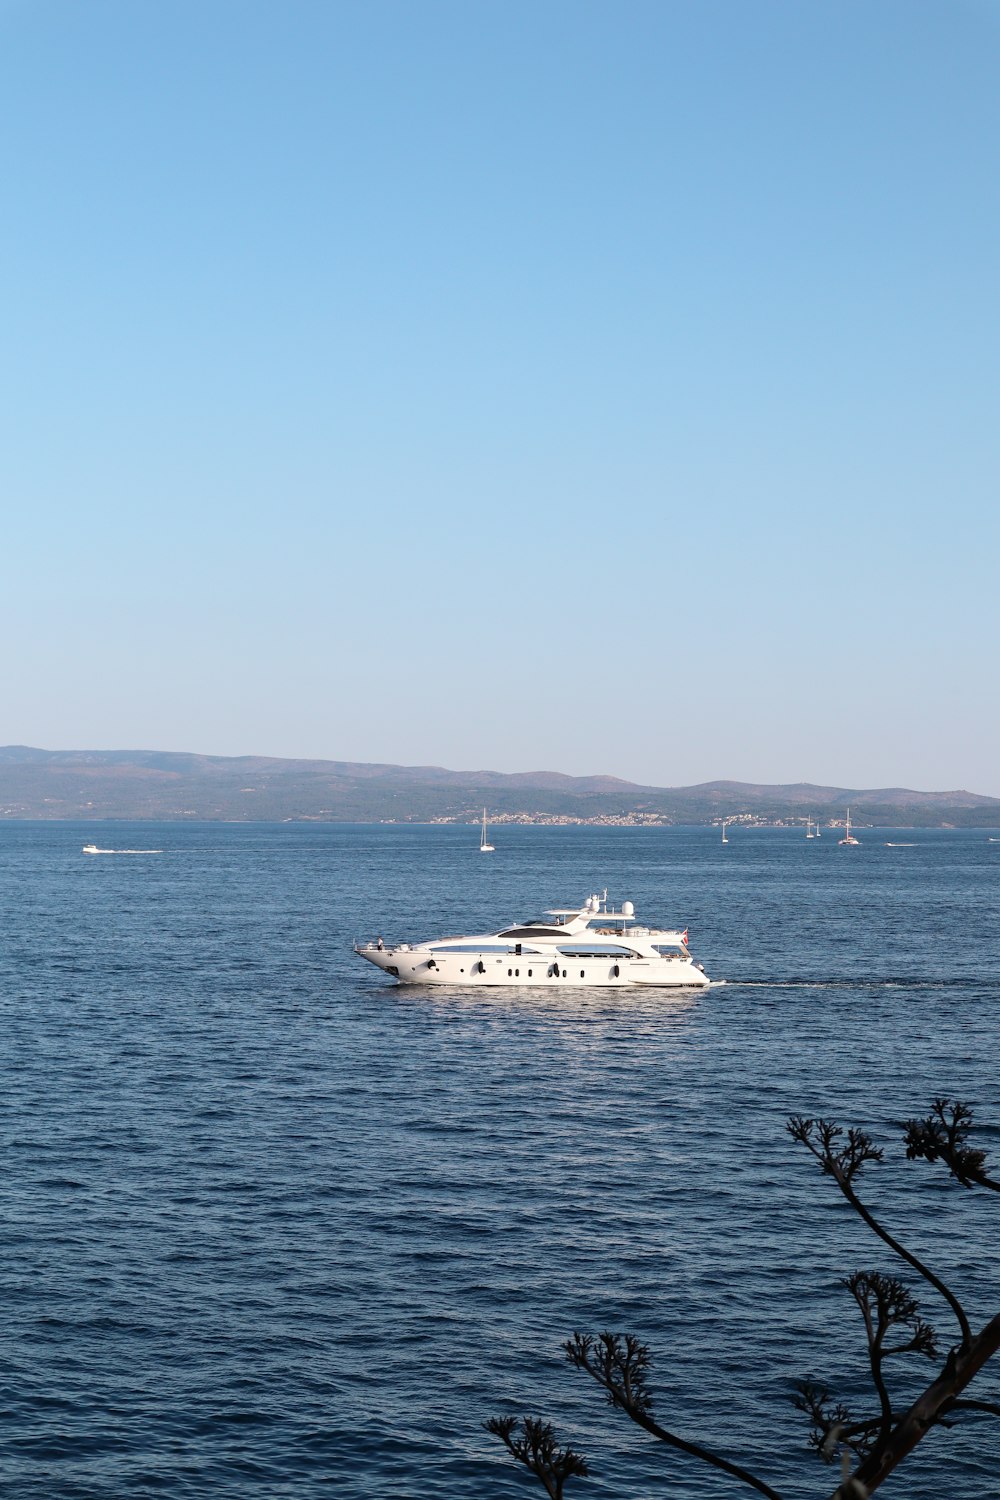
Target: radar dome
<point>628,910</point>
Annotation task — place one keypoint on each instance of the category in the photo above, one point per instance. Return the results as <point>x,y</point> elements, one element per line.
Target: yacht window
<point>532,930</point>
<point>596,950</point>
<point>471,948</point>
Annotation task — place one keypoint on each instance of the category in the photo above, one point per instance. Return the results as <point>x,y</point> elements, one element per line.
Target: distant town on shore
<point>167,785</point>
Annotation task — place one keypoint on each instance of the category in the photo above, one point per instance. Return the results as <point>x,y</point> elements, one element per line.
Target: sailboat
<point>809,828</point>
<point>724,839</point>
<point>485,847</point>
<point>848,835</point>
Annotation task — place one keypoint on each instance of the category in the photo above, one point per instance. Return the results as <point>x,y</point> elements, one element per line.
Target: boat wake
<point>93,849</point>
<point>888,983</point>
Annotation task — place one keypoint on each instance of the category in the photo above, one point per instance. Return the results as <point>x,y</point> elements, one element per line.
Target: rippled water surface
<point>271,1227</point>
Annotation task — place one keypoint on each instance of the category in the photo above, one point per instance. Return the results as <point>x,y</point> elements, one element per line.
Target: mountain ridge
<point>166,784</point>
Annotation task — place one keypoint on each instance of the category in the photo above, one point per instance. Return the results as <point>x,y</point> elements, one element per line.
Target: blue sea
<point>272,1227</point>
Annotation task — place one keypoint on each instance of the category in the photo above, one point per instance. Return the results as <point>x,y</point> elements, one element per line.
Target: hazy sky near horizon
<point>515,384</point>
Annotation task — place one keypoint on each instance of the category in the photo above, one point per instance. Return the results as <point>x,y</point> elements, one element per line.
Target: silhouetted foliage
<point>941,1136</point>
<point>877,1441</point>
<point>536,1448</point>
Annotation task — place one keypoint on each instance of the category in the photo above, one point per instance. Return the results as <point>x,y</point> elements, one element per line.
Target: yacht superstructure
<point>593,945</point>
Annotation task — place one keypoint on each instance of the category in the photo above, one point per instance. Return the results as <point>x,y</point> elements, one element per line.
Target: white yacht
<point>593,946</point>
<point>485,847</point>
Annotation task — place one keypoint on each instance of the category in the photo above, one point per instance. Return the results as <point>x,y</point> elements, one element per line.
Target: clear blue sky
<point>505,383</point>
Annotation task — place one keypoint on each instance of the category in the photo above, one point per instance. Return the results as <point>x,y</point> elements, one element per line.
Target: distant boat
<point>809,828</point>
<point>992,840</point>
<point>485,847</point>
<point>724,839</point>
<point>848,835</point>
<point>900,846</point>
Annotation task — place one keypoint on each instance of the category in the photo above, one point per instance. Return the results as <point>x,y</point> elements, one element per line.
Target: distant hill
<point>163,785</point>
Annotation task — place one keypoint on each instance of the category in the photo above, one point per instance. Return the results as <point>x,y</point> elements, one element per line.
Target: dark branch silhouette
<point>941,1136</point>
<point>620,1365</point>
<point>536,1448</point>
<point>885,1302</point>
<point>832,1424</point>
<point>844,1163</point>
<point>880,1440</point>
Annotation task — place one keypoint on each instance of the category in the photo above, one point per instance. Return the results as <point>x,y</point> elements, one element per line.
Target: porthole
<point>517,973</point>
<point>509,973</point>
<point>529,973</point>
<point>581,974</point>
<point>564,973</point>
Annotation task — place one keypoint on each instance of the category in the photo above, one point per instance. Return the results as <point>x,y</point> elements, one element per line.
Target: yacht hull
<point>534,970</point>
